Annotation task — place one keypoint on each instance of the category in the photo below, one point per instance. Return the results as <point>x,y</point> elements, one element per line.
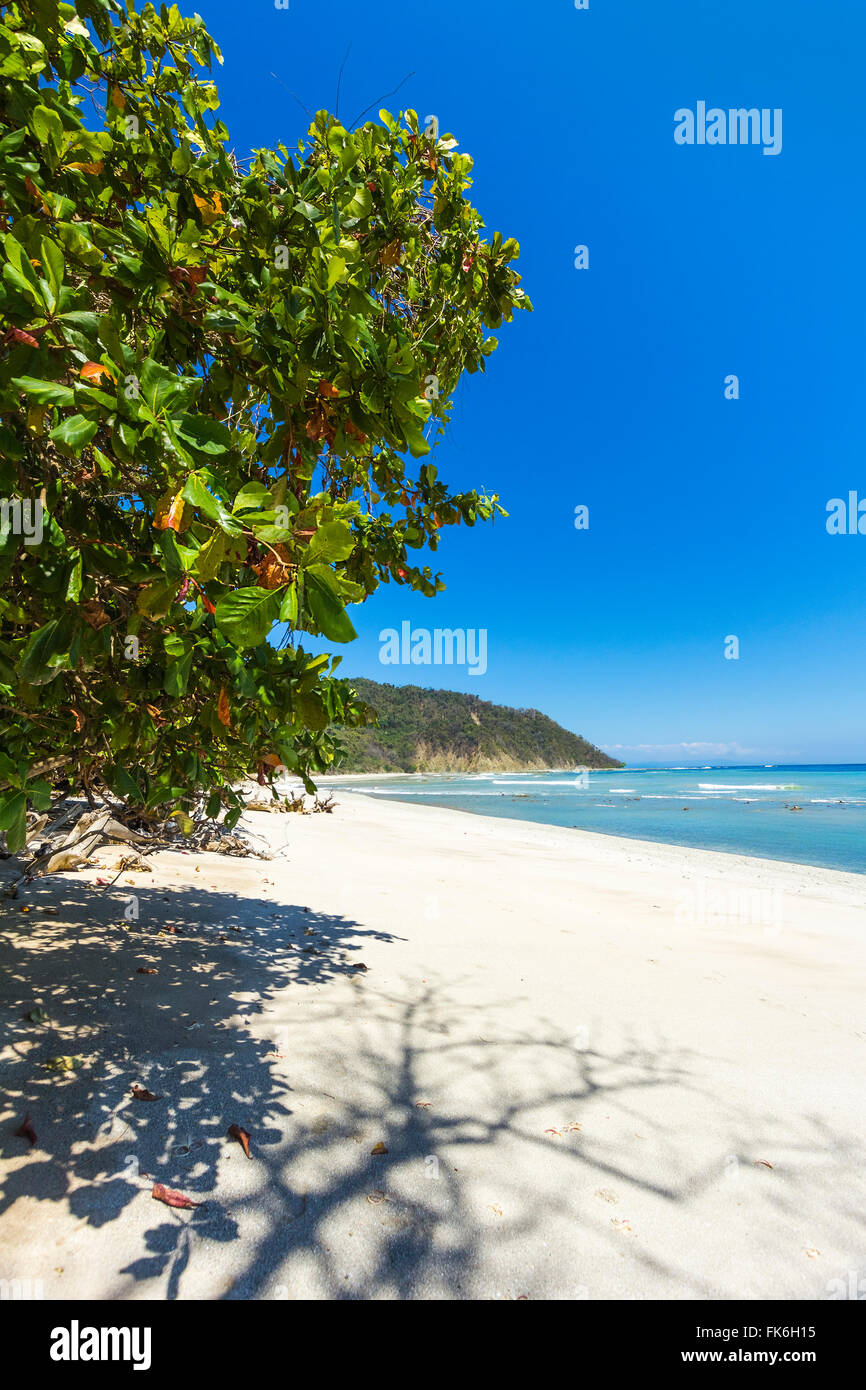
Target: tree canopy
<point>220,383</point>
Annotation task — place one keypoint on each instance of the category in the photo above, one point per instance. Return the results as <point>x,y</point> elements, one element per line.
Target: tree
<point>219,387</point>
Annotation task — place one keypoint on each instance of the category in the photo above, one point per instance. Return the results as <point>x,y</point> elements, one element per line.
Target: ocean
<point>807,814</point>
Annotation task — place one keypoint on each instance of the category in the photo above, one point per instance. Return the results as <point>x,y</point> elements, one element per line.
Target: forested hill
<point>444,731</point>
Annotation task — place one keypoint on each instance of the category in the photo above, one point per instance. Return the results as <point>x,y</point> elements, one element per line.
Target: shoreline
<point>332,783</point>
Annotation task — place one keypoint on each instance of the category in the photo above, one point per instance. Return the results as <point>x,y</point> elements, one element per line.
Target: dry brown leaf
<point>273,571</point>
<point>172,513</point>
<point>94,371</point>
<point>93,613</point>
<point>142,1093</point>
<point>390,254</point>
<point>173,1198</point>
<point>26,1131</point>
<point>378,1149</point>
<point>235,1132</point>
<point>85,167</point>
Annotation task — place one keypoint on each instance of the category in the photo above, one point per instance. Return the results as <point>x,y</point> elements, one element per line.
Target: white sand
<point>629,1088</point>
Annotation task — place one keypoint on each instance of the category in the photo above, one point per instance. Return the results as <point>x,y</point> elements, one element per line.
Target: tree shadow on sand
<point>182,1032</point>
<point>259,1016</point>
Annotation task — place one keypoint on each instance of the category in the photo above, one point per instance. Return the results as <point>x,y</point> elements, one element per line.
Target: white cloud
<point>684,750</point>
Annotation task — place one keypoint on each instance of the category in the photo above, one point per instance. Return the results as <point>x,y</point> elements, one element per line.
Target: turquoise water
<point>745,810</point>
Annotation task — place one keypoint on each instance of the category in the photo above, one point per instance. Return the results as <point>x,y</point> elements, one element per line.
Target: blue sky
<point>707,515</point>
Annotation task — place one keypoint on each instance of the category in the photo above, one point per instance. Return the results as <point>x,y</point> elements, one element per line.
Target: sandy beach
<point>597,1073</point>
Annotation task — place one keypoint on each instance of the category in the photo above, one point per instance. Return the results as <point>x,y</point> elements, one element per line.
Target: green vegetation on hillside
<point>445,731</point>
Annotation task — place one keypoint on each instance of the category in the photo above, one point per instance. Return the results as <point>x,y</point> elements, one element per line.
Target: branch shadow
<point>259,1016</point>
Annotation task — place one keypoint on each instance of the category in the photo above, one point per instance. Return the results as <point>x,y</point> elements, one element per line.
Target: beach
<point>600,1068</point>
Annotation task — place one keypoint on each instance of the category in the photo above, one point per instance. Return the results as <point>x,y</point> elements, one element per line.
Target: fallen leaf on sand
<point>762,1163</point>
<point>570,1129</point>
<point>62,1063</point>
<point>378,1149</point>
<point>814,1254</point>
<point>142,1093</point>
<point>235,1132</point>
<point>376,1197</point>
<point>423,1104</point>
<point>172,1198</point>
<point>26,1131</point>
<point>359,965</point>
<point>553,1131</point>
<point>146,970</point>
<point>37,1015</point>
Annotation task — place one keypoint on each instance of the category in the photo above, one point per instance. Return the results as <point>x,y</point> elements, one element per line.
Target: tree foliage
<point>220,382</point>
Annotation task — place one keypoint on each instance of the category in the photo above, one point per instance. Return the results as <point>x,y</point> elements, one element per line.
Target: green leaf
<point>13,819</point>
<point>246,616</point>
<point>161,387</point>
<point>48,127</point>
<point>336,270</point>
<point>203,433</point>
<point>75,431</point>
<point>53,264</point>
<point>44,392</point>
<point>211,555</point>
<point>313,713</point>
<point>49,649</point>
<point>155,599</point>
<point>333,541</point>
<point>196,493</point>
<point>328,612</point>
<point>177,675</point>
<point>124,785</point>
<point>73,583</point>
<point>289,606</point>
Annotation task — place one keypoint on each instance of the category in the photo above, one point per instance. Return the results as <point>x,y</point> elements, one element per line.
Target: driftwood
<point>97,831</point>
